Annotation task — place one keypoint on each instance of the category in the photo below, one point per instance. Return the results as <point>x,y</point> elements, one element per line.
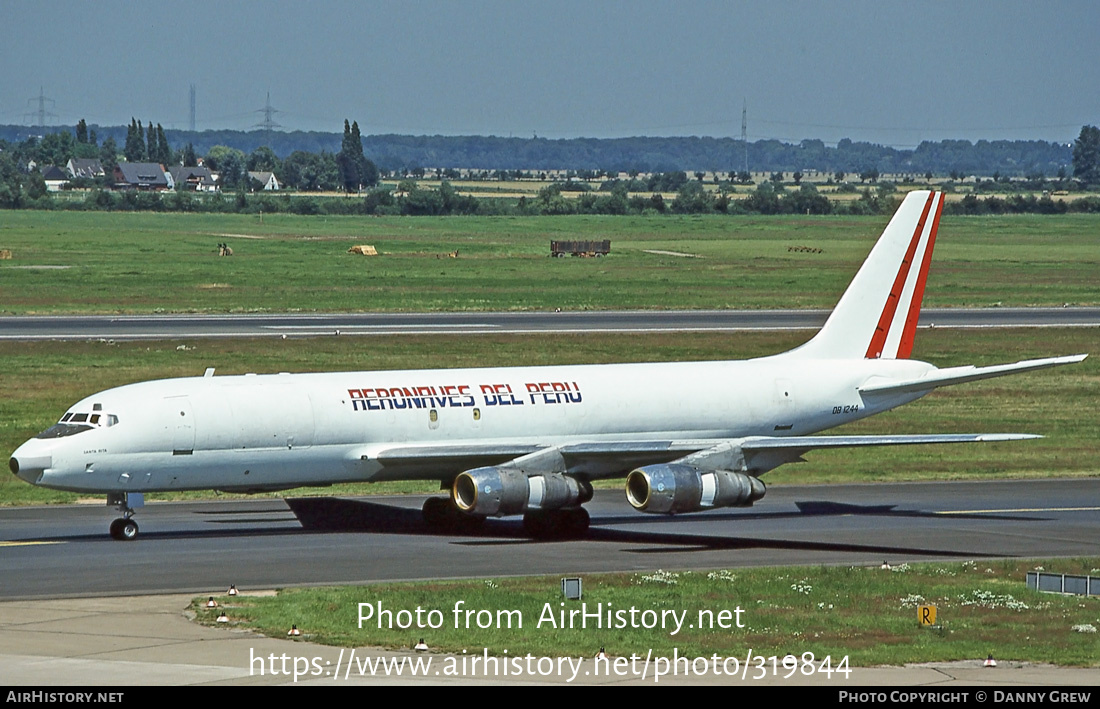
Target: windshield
<point>74,422</point>
<point>60,430</point>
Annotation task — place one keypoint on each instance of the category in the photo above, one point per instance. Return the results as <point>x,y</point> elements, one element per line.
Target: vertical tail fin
<point>877,315</point>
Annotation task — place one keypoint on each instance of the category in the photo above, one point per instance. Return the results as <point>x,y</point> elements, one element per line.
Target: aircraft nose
<point>29,468</point>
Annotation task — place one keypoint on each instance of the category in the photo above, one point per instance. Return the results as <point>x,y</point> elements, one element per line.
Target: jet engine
<point>493,491</point>
<point>675,487</point>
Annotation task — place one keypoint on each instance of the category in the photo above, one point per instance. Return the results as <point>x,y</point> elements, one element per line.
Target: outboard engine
<point>672,488</point>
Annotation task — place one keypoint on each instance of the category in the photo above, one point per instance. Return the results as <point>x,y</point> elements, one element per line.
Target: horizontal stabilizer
<point>961,375</point>
<point>806,443</point>
<point>763,453</point>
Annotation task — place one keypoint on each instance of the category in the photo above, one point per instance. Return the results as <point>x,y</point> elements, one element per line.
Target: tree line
<point>404,153</point>
<point>411,199</point>
<point>349,170</point>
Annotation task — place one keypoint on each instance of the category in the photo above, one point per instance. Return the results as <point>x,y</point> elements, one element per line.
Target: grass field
<point>38,382</point>
<point>143,262</point>
<point>866,614</point>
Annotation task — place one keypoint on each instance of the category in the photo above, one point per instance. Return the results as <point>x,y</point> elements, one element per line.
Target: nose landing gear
<point>125,528</point>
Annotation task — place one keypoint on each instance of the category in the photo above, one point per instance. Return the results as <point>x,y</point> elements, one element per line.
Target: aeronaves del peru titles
<point>687,436</point>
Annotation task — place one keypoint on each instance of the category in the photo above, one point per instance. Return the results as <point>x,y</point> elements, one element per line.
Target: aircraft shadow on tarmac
<point>343,515</point>
<point>327,515</point>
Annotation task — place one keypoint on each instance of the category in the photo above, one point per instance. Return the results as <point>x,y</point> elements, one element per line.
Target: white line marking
<point>1021,509</point>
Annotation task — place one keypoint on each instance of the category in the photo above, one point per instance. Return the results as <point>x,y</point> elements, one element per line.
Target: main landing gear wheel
<point>568,523</point>
<point>442,515</point>
<point>124,529</point>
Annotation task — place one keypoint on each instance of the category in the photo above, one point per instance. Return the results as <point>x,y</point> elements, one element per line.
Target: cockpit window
<point>73,423</point>
<point>60,430</point>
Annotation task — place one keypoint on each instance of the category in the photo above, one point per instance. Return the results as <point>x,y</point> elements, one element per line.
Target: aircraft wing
<point>586,460</point>
<point>753,454</point>
<point>960,375</point>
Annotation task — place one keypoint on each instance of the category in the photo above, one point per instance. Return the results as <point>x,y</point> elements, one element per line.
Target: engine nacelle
<point>496,491</point>
<point>674,487</point>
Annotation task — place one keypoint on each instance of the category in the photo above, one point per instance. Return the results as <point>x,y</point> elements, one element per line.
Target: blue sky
<point>894,73</point>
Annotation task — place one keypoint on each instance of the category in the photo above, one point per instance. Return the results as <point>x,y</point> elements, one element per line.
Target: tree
<point>1086,155</point>
<point>355,170</point>
<point>87,151</point>
<point>228,162</point>
<point>82,132</point>
<point>311,171</point>
<point>108,155</point>
<point>164,153</point>
<point>692,199</point>
<point>263,159</point>
<point>134,149</point>
<point>151,144</point>
<point>190,159</point>
<point>36,185</point>
<point>11,182</point>
<point>56,148</point>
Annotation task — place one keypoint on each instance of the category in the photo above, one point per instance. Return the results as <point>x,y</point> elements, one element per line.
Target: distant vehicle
<point>580,248</point>
<point>687,436</point>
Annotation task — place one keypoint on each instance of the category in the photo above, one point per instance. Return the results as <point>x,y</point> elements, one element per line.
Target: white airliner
<point>688,436</point>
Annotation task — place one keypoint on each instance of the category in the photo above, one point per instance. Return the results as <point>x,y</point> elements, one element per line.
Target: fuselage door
<point>784,406</point>
<point>181,424</point>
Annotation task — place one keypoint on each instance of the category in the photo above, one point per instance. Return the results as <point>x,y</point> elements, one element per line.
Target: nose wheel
<point>124,528</point>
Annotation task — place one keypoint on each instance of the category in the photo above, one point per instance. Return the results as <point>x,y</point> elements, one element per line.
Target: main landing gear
<point>443,515</point>
<point>565,523</point>
<point>125,528</point>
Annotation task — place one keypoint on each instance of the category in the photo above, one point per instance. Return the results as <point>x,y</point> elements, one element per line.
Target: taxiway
<point>64,551</point>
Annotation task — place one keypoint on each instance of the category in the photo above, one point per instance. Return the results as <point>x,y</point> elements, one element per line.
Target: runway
<point>200,547</point>
<point>108,327</point>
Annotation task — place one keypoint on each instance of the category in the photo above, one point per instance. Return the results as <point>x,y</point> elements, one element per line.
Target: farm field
<point>40,380</point>
<point>91,262</point>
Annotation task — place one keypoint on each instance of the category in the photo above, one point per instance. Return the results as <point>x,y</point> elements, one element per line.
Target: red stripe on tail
<point>905,347</point>
<point>878,340</point>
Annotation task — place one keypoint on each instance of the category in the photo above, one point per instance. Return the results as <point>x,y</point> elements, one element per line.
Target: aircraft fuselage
<point>255,432</point>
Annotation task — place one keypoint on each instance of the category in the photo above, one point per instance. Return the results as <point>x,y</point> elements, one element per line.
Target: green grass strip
<point>869,614</point>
